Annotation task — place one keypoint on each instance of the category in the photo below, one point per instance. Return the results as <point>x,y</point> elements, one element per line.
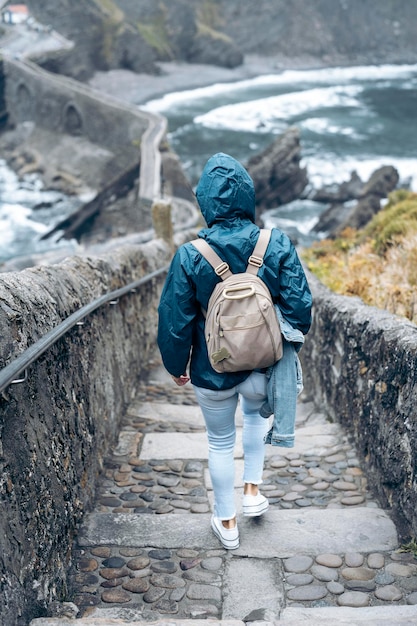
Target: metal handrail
<point>9,374</point>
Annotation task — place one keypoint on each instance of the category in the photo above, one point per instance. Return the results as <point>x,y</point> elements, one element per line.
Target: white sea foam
<point>336,75</point>
<point>16,228</point>
<point>330,76</point>
<point>20,226</point>
<point>330,169</point>
<point>274,113</point>
<point>287,224</point>
<point>323,126</point>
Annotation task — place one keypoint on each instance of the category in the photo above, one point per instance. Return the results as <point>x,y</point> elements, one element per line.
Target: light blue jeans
<point>218,408</point>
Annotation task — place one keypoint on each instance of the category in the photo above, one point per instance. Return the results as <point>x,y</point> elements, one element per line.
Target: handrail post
<point>162,222</point>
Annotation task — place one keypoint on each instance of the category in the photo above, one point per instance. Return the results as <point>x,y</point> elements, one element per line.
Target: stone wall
<point>56,427</point>
<point>360,367</point>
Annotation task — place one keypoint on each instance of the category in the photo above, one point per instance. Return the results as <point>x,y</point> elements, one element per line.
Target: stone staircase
<point>324,553</point>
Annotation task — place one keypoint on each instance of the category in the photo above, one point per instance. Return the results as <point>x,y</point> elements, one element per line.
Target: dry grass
<point>379,263</point>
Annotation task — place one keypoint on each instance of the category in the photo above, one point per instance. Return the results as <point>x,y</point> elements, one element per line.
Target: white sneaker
<point>229,537</point>
<point>253,506</point>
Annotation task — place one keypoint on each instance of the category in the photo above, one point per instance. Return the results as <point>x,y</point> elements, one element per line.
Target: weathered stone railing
<point>360,367</point>
<point>56,426</point>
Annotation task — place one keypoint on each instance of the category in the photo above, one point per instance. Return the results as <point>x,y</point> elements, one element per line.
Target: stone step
<point>171,413</point>
<point>252,576</point>
<point>371,616</point>
<point>280,534</point>
<point>375,616</point>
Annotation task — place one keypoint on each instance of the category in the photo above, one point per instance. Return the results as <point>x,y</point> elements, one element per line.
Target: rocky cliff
<point>277,173</point>
<point>326,31</point>
<point>136,34</point>
<point>129,34</point>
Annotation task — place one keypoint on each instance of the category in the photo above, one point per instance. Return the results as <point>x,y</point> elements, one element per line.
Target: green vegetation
<point>156,36</point>
<point>110,9</point>
<point>113,19</point>
<point>411,546</point>
<point>378,263</point>
<point>397,220</point>
<point>203,29</point>
<point>208,14</point>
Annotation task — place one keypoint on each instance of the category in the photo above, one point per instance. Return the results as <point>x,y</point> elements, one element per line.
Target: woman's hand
<point>181,380</point>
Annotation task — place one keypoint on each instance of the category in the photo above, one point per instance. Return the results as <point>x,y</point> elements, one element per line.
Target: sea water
<point>27,212</point>
<point>351,118</point>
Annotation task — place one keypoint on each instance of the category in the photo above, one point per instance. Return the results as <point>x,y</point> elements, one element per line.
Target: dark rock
<point>188,34</point>
<point>148,496</point>
<point>128,496</point>
<point>360,585</point>
<point>322,30</point>
<point>174,181</point>
<point>44,205</point>
<point>256,615</point>
<point>187,564</point>
<point>160,554</point>
<point>86,599</point>
<point>136,34</point>
<point>142,469</point>
<point>86,579</point>
<point>194,466</point>
<point>164,567</point>
<point>276,171</point>
<point>332,217</point>
<point>153,594</point>
<point>357,214</point>
<point>131,35</point>
<point>335,194</point>
<point>169,26</point>
<point>104,39</point>
<point>215,49</point>
<point>382,181</point>
<point>114,561</point>
<point>137,585</point>
<point>115,596</point>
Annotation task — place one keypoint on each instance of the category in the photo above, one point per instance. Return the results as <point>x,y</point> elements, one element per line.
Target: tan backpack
<point>242,329</point>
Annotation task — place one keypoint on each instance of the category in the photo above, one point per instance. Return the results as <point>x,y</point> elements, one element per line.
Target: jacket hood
<point>225,190</point>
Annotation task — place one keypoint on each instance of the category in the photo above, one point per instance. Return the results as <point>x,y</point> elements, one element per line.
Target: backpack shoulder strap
<point>257,257</point>
<point>220,267</point>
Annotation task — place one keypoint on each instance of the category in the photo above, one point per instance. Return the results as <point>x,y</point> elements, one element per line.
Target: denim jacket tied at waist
<point>285,383</point>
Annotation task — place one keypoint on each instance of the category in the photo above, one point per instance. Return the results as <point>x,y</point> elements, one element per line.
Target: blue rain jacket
<point>226,197</point>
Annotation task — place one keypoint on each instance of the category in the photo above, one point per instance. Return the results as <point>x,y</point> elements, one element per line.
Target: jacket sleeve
<point>177,312</point>
<point>295,298</point>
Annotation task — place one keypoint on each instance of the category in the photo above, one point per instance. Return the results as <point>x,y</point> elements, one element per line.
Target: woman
<point>226,197</point>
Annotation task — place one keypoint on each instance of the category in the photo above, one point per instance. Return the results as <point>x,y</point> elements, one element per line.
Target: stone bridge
<point>68,107</point>
<point>59,423</point>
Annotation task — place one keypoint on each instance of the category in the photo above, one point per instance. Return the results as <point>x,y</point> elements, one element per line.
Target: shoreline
<point>140,88</point>
<point>176,76</point>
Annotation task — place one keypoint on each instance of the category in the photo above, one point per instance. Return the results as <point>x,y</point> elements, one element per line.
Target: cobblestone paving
<point>185,583</point>
<point>188,583</point>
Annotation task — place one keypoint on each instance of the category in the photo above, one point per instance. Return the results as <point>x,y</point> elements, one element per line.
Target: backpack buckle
<point>221,269</point>
<point>256,261</point>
